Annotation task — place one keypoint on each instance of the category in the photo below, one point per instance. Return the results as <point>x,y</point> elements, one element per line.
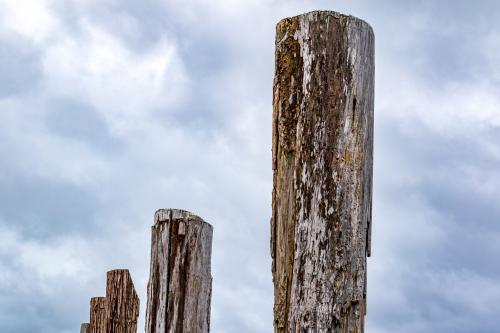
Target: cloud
<point>31,19</point>
<point>52,270</point>
<point>19,66</point>
<point>111,110</point>
<point>119,82</point>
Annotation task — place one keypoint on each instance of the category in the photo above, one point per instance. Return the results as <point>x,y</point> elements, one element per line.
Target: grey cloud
<point>420,273</point>
<point>437,42</point>
<point>76,120</point>
<point>208,166</point>
<point>46,209</point>
<point>27,309</point>
<point>432,303</point>
<point>139,25</point>
<point>19,66</point>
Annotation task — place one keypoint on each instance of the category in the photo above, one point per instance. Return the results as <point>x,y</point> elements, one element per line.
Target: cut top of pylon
<point>118,270</point>
<point>169,214</point>
<point>317,14</point>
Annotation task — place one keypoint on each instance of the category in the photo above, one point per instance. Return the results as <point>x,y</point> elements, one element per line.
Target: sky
<point>112,109</point>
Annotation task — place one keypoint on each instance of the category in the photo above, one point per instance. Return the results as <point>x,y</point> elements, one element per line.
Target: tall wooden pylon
<point>180,281</point>
<point>323,99</point>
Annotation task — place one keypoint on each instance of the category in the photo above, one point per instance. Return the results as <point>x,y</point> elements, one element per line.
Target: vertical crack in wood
<point>153,284</point>
<point>169,270</point>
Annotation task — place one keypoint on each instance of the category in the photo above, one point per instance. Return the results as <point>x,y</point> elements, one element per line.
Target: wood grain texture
<point>122,302</point>
<point>322,163</point>
<point>180,282</point>
<point>85,328</point>
<point>98,316</point>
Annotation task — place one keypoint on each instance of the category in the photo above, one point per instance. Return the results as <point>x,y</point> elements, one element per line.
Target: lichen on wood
<point>322,163</point>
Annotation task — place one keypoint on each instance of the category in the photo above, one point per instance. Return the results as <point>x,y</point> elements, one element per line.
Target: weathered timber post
<point>85,328</point>
<point>119,310</point>
<point>322,163</point>
<point>180,282</point>
<point>98,317</point>
<point>122,302</point>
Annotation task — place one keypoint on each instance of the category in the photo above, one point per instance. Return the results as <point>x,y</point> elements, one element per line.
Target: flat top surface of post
<point>98,298</point>
<point>168,214</point>
<point>123,274</point>
<point>119,270</point>
<point>315,14</point>
<point>84,328</point>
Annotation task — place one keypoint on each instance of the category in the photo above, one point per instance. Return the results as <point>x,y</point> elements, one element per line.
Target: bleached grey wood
<point>85,328</point>
<point>322,161</point>
<point>119,310</point>
<point>180,282</point>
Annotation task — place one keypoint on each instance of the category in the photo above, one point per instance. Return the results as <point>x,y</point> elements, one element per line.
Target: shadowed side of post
<point>180,282</point>
<point>323,97</point>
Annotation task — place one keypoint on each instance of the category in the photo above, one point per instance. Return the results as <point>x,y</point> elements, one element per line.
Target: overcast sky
<point>111,109</point>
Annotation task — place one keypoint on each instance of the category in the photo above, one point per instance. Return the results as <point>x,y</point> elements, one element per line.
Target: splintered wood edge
<point>169,214</point>
<point>310,15</point>
<point>117,270</point>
